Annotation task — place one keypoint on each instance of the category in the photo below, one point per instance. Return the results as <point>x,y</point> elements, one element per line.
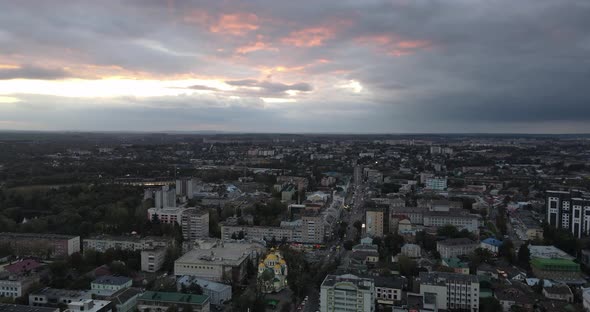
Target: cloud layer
<point>325,66</point>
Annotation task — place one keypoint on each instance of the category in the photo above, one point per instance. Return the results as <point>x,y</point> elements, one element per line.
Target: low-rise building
<point>347,293</point>
<point>218,293</point>
<point>388,289</point>
<point>454,247</point>
<point>108,285</point>
<point>52,297</point>
<point>559,292</point>
<point>16,285</point>
<point>491,244</point>
<point>89,305</point>
<point>457,265</point>
<point>25,308</point>
<point>124,300</point>
<point>41,245</point>
<point>225,262</point>
<point>556,269</point>
<point>152,260</point>
<point>102,243</point>
<point>411,250</point>
<point>157,301</point>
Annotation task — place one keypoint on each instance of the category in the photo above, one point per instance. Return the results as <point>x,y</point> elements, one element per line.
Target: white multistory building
<point>347,293</point>
<point>452,291</point>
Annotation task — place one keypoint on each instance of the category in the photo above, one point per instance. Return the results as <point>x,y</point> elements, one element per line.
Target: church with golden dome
<point>272,272</point>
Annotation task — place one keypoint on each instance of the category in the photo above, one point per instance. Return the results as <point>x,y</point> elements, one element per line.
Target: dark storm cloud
<point>449,63</point>
<point>32,72</point>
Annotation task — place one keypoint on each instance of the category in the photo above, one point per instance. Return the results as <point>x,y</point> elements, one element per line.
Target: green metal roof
<point>173,297</point>
<point>555,264</point>
<point>455,263</point>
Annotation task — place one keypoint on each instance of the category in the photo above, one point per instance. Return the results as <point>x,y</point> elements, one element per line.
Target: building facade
<point>52,297</point>
<point>152,260</point>
<point>569,210</point>
<point>41,245</point>
<point>108,285</point>
<point>218,293</point>
<point>452,291</point>
<point>455,247</point>
<point>374,223</point>
<point>347,293</point>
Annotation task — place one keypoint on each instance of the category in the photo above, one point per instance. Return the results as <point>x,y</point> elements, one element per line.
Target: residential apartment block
<point>193,221</point>
<point>569,210</point>
<point>41,245</point>
<point>102,243</point>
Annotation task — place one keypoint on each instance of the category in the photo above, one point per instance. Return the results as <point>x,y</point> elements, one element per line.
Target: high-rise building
<point>569,210</point>
<point>193,221</point>
<point>184,187</point>
<point>347,293</point>
<point>452,291</point>
<point>374,223</point>
<point>166,197</point>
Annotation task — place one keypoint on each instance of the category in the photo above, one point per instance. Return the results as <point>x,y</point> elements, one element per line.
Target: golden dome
<point>271,257</point>
<point>282,261</point>
<point>277,266</point>
<point>261,265</point>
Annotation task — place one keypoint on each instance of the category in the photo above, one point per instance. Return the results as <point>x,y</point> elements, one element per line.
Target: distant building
<point>102,243</point>
<point>347,293</point>
<point>569,210</point>
<point>193,221</point>
<point>52,297</point>
<point>165,197</point>
<point>586,298</point>
<point>454,247</point>
<point>436,183</point>
<point>374,223</point>
<point>108,285</point>
<point>411,250</point>
<point>152,260</point>
<point>41,245</point>
<point>184,187</point>
<point>218,293</point>
<point>452,291</point>
<point>156,301</point>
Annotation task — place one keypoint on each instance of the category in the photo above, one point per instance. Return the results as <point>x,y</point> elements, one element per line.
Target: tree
<point>407,266</point>
<point>524,256</point>
<point>348,244</point>
<point>506,250</point>
<point>358,225</point>
<point>489,304</point>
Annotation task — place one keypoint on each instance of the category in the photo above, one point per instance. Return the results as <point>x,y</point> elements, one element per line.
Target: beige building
<point>374,223</point>
<point>347,293</point>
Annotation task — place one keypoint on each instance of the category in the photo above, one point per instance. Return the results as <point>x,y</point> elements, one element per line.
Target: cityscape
<point>295,156</point>
<point>251,222</point>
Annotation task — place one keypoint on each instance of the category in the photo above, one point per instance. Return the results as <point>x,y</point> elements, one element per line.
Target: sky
<point>336,66</point>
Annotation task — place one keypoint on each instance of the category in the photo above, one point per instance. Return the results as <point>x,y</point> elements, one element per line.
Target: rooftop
<point>173,297</point>
<point>359,282</point>
<point>23,266</point>
<point>436,278</point>
<point>548,252</point>
<point>111,280</point>
<point>35,235</point>
<point>56,292</point>
<point>558,290</point>
<point>492,241</point>
<point>24,308</point>
<point>555,264</point>
<point>229,253</point>
<point>455,242</point>
<point>205,284</point>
